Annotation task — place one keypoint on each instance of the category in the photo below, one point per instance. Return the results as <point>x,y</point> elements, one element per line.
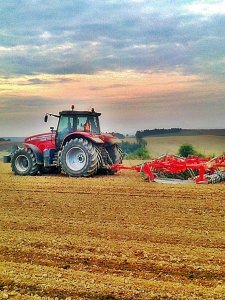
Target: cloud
<point>53,80</point>
<point>36,105</point>
<point>201,106</point>
<point>206,8</point>
<point>112,86</point>
<point>85,37</point>
<point>37,81</point>
<point>103,53</point>
<point>12,104</point>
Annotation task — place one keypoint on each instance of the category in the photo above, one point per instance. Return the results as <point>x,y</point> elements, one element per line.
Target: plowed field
<point>110,237</point>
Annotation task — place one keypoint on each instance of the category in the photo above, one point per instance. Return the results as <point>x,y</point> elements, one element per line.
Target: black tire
<point>115,154</point>
<point>24,162</point>
<point>79,158</point>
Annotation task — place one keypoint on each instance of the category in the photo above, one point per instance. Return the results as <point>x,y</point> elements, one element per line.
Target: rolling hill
<point>206,144</point>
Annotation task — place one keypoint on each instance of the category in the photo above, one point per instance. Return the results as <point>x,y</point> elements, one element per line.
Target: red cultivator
<point>201,170</point>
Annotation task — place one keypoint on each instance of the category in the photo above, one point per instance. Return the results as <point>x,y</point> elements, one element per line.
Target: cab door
<point>65,126</point>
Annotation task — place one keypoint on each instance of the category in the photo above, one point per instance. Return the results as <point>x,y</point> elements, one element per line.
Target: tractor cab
<point>82,121</point>
<point>76,121</point>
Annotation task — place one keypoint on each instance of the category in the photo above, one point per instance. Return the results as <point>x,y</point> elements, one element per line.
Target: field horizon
<point>206,141</point>
<point>185,131</point>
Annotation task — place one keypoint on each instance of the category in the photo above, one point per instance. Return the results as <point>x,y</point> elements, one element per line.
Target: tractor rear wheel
<point>115,154</point>
<point>24,162</point>
<point>79,158</point>
<point>116,157</point>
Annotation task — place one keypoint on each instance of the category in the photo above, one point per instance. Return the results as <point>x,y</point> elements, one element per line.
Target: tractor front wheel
<point>79,158</point>
<point>24,162</point>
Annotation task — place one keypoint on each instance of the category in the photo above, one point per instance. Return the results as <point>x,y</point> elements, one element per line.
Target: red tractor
<point>77,147</point>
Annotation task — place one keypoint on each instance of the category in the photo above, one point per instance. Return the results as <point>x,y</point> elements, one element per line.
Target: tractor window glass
<point>88,123</point>
<point>94,125</point>
<point>65,125</point>
<point>68,124</point>
<point>81,122</point>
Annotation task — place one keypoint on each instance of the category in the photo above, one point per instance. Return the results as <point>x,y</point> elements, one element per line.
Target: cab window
<point>81,121</point>
<point>65,125</point>
<point>94,122</point>
<point>68,124</point>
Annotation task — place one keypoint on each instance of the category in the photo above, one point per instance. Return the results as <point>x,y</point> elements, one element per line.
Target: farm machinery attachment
<point>169,167</point>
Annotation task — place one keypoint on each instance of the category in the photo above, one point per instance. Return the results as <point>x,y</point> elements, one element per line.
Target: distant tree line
<point>157,131</point>
<point>135,150</point>
<point>119,135</point>
<point>129,147</point>
<point>4,140</point>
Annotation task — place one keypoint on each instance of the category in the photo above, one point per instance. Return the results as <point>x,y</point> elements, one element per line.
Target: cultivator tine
<point>200,170</point>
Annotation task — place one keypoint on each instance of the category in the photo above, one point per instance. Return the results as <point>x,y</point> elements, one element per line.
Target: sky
<point>142,64</point>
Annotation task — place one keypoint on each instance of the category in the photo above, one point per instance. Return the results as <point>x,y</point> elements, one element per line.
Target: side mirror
<point>46,118</point>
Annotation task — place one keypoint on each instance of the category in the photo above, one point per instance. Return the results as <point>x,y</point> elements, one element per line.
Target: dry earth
<point>112,237</point>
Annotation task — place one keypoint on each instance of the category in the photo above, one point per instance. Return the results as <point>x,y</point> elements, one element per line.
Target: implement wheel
<point>24,162</point>
<point>79,158</point>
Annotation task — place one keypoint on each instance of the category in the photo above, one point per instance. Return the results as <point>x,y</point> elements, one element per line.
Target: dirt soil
<point>110,237</point>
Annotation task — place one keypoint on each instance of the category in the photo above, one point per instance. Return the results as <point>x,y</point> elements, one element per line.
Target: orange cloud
<point>103,85</point>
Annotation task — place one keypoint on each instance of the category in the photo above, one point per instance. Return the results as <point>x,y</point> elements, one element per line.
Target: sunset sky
<point>143,64</point>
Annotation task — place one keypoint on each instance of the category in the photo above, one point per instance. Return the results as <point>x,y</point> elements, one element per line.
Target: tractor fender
<point>89,137</point>
<point>37,152</point>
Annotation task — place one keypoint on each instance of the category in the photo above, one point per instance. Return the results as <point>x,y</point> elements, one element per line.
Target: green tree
<point>140,140</point>
<point>140,153</point>
<point>186,149</point>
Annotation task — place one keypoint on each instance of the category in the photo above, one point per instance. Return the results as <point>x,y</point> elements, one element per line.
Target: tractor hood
<point>41,137</point>
<point>42,141</point>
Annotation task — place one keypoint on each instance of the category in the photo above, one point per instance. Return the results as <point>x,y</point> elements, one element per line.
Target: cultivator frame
<point>200,169</point>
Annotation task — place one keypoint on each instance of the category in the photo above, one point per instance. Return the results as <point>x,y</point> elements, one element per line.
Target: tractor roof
<point>76,112</point>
